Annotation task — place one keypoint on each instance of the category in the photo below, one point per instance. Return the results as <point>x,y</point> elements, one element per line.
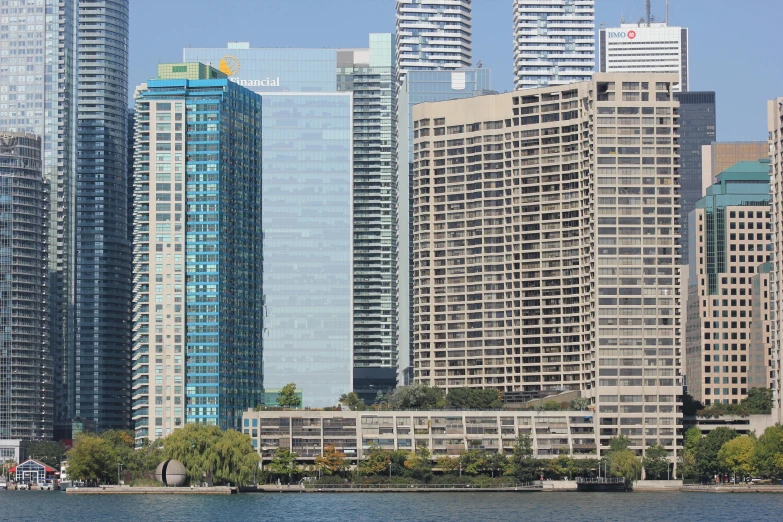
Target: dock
<point>127,490</point>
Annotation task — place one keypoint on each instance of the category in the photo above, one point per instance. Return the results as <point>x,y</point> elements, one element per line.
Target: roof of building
<point>38,462</point>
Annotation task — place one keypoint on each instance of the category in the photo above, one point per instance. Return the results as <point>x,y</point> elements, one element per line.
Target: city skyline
<point>718,63</point>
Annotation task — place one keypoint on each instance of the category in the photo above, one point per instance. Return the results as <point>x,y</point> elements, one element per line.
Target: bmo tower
<point>645,47</point>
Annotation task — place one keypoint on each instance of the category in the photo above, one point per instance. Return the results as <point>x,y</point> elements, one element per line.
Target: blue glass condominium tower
<point>308,188</point>
<point>197,298</point>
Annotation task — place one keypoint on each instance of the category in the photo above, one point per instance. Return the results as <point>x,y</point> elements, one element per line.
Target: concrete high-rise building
<point>729,233</point>
<point>308,213</point>
<point>369,75</point>
<point>719,156</point>
<point>197,256</point>
<point>418,87</point>
<point>98,342</point>
<point>546,225</point>
<point>697,129</point>
<point>554,42</point>
<point>775,127</point>
<point>762,361</point>
<point>433,35</point>
<point>26,363</point>
<point>646,47</point>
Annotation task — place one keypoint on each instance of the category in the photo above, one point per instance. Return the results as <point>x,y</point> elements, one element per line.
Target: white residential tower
<point>554,42</point>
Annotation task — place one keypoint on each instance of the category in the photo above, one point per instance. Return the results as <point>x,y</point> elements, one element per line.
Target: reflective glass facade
<point>39,97</point>
<point>26,398</point>
<point>418,87</point>
<point>369,75</point>
<point>307,214</point>
<point>697,128</point>
<point>100,389</point>
<point>197,251</point>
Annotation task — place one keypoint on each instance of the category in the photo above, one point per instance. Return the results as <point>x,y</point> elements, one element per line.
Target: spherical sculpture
<point>171,473</point>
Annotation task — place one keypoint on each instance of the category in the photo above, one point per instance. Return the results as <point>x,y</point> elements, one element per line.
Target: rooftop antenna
<point>648,13</point>
<point>479,65</point>
<point>667,12</point>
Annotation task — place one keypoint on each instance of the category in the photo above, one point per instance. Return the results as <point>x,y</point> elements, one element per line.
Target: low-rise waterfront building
<point>308,432</point>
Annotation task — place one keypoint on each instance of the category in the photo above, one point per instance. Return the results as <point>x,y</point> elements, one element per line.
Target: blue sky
<point>733,43</point>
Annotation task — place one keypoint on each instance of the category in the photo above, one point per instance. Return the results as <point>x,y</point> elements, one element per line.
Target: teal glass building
<point>197,257</point>
<point>307,162</point>
<point>728,342</point>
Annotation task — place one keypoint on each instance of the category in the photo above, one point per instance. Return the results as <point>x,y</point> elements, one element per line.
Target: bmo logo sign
<point>630,35</point>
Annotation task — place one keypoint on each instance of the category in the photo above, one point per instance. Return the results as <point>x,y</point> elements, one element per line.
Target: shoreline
<point>128,490</point>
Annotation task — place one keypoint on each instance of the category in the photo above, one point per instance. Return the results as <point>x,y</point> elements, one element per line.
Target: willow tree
<point>227,456</point>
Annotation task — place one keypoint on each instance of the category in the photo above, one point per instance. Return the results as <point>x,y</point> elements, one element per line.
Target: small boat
<point>3,485</point>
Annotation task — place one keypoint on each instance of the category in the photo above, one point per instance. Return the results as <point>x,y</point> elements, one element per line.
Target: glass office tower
<point>197,251</point>
<point>697,128</point>
<point>307,198</point>
<point>418,87</point>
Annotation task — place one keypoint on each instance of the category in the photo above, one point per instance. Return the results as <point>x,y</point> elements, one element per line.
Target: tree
<point>768,457</point>
<point>283,463</point>
<point>50,453</point>
<point>447,464</point>
<point>562,466</point>
<point>523,466</point>
<point>580,404</point>
<point>419,464</point>
<point>707,462</point>
<point>549,405</point>
<point>619,443</point>
<point>474,398</point>
<point>496,463</point>
<point>353,401</point>
<point>288,398</point>
<point>736,455</point>
<point>415,397</point>
<point>472,462</point>
<point>237,460</point>
<point>622,461</point>
<point>228,456</point>
<point>92,459</point>
<point>332,461</point>
<point>687,468</point>
<point>656,462</point>
<point>375,461</point>
<point>758,401</point>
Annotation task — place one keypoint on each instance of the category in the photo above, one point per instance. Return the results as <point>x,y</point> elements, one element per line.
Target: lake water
<point>348,507</point>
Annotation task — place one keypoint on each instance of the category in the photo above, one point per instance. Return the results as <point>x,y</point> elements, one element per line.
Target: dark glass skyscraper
<point>99,350</point>
<point>25,357</point>
<point>697,128</point>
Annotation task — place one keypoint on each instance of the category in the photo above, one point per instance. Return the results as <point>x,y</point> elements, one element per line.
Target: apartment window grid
<point>204,369</point>
<point>554,42</point>
<point>631,347</point>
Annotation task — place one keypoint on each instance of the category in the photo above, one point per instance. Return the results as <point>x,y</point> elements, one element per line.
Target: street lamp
<point>119,469</point>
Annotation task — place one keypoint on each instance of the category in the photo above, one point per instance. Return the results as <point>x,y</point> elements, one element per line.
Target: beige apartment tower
<point>775,127</point>
<point>546,247</point>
